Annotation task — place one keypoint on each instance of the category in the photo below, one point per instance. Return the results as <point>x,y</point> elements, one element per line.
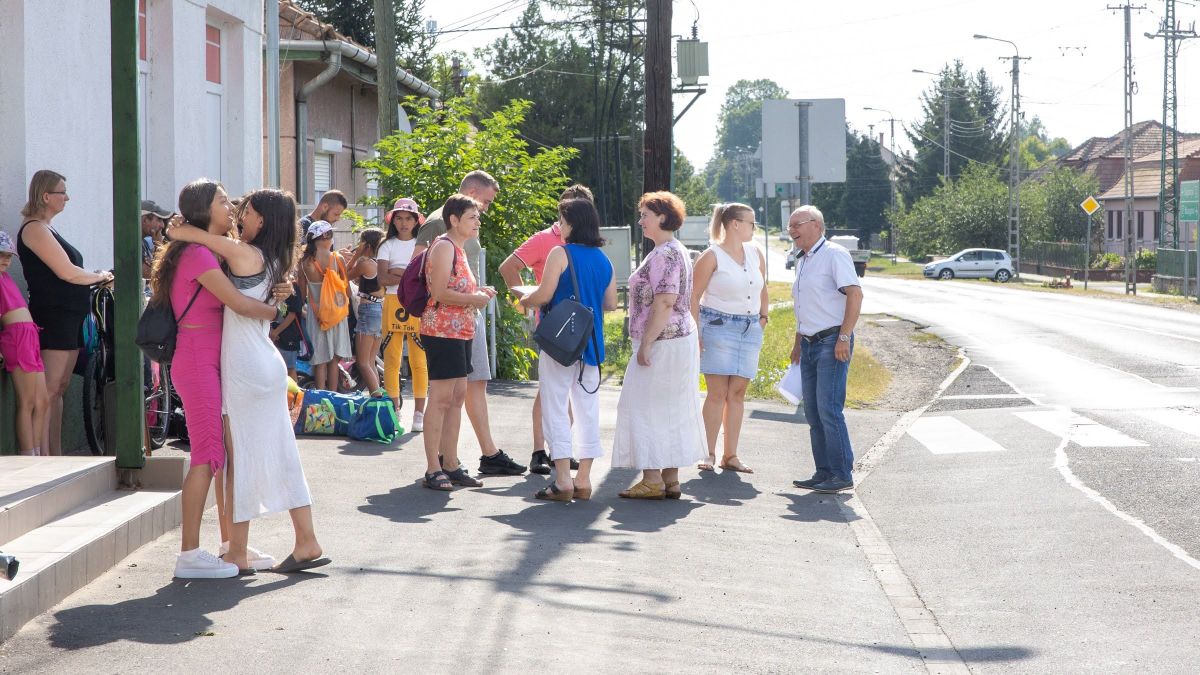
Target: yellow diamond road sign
<point>1090,205</point>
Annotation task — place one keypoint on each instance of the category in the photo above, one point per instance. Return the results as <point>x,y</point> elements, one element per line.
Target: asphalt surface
<point>1047,500</point>
<point>745,574</point>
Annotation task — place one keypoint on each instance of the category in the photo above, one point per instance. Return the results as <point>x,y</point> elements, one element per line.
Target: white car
<point>973,263</point>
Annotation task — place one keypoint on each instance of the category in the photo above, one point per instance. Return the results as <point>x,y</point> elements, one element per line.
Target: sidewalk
<point>745,574</point>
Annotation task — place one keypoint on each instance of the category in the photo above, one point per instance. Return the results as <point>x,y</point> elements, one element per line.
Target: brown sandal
<point>644,490</point>
<point>673,491</point>
<point>583,494</point>
<point>553,494</point>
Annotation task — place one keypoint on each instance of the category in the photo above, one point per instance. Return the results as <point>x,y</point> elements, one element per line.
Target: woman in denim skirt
<point>729,303</point>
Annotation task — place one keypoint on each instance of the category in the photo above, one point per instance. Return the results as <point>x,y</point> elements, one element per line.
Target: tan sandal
<point>728,465</point>
<point>583,494</point>
<point>644,490</point>
<point>672,490</point>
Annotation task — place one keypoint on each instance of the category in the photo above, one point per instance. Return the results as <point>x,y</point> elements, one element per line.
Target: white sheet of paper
<point>522,291</point>
<point>791,385</point>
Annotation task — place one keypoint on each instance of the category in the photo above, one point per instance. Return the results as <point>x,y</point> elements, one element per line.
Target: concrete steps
<point>67,522</point>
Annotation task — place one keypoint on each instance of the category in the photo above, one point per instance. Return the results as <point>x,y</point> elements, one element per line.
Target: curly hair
<point>665,204</point>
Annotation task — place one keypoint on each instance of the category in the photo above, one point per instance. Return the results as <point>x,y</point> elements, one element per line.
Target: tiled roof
<point>297,24</point>
<point>1145,184</point>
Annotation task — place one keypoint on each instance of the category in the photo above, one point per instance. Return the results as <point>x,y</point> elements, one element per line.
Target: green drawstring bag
<point>376,421</point>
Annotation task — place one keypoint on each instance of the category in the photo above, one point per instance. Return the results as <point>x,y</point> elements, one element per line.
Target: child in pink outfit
<point>22,355</point>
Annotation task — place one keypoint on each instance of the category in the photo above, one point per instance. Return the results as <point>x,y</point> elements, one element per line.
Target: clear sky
<point>865,51</point>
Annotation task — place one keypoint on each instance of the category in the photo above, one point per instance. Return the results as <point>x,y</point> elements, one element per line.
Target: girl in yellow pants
<point>400,328</point>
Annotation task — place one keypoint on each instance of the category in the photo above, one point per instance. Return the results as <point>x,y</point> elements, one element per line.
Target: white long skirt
<point>659,424</point>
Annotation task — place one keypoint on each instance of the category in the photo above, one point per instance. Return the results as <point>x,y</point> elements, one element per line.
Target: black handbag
<point>564,331</point>
<point>157,328</point>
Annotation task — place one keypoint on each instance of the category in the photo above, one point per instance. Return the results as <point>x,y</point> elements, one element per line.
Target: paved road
<point>1048,499</point>
<point>745,574</point>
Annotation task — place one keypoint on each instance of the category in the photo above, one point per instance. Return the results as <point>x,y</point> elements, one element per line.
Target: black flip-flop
<point>290,565</point>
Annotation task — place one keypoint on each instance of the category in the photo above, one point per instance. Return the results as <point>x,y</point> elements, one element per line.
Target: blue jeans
<point>824,397</point>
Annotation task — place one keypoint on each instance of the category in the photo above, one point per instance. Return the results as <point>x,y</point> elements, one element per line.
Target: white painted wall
<point>55,111</point>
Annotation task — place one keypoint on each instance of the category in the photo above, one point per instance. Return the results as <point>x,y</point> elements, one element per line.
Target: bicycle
<point>163,406</point>
<point>99,399</point>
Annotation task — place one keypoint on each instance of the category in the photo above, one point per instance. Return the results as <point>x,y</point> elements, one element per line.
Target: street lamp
<point>891,119</point>
<point>1014,159</point>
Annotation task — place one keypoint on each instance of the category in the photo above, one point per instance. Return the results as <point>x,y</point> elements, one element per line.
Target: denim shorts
<point>370,318</point>
<point>729,344</point>
<point>289,357</point>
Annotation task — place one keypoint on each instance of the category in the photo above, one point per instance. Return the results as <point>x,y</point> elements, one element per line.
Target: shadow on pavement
<point>796,417</point>
<point>724,488</point>
<point>412,503</point>
<point>176,613</point>
<point>815,507</point>
<point>368,449</point>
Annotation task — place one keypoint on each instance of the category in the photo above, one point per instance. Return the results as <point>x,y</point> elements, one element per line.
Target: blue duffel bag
<point>327,413</point>
<point>376,421</point>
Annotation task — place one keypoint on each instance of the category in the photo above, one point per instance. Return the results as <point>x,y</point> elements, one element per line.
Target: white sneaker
<point>418,421</point>
<point>255,558</point>
<point>200,564</point>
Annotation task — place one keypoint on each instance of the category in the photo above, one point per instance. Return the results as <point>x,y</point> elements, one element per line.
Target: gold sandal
<point>644,490</point>
<point>672,490</point>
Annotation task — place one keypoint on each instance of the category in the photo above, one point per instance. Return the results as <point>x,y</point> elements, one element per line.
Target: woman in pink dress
<point>189,278</point>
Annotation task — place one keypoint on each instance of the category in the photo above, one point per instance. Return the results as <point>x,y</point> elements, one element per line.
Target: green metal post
<point>126,230</point>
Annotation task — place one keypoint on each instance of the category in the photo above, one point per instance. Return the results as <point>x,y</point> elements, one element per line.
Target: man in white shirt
<point>827,299</point>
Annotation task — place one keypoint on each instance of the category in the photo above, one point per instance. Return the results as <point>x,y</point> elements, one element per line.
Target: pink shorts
<point>20,347</point>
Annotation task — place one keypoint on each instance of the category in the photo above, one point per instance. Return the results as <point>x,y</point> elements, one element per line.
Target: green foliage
<point>863,200</point>
<point>692,188</point>
<point>428,163</point>
<point>1037,148</point>
<point>976,130</point>
<point>1108,261</point>
<point>733,169</point>
<point>971,211</point>
<point>356,20</point>
<point>357,221</point>
<point>1146,259</point>
<point>584,78</point>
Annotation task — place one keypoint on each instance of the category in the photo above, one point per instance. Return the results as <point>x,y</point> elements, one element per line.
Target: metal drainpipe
<point>322,78</point>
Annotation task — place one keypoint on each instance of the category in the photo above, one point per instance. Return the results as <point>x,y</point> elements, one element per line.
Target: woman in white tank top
<point>729,303</point>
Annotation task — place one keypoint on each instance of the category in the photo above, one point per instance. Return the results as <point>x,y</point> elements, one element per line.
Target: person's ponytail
<point>716,228</point>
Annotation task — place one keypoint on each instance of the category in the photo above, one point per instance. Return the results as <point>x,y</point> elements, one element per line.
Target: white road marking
<point>1062,463</point>
<point>948,435</point>
<point>1188,423</point>
<point>1186,459</point>
<point>978,397</point>
<point>1078,429</point>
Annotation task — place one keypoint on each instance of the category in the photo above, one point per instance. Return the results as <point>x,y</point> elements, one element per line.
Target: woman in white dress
<point>265,475</point>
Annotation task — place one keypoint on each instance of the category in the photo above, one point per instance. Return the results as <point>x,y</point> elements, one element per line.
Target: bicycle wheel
<point>93,402</point>
<point>159,408</point>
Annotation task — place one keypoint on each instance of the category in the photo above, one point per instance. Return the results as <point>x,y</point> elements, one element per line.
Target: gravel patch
<point>918,361</point>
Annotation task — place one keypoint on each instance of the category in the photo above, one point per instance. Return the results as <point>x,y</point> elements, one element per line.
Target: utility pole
<point>385,71</point>
<point>1014,157</point>
<point>1130,249</point>
<point>657,146</point>
<point>659,117</point>
<point>271,54</point>
<point>1168,185</point>
<point>126,433</point>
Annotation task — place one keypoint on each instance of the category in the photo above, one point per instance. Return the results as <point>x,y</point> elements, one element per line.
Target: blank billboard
<point>826,140</point>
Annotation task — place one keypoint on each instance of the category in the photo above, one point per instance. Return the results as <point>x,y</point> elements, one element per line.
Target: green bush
<point>1108,261</point>
<point>1147,259</point>
<point>444,145</point>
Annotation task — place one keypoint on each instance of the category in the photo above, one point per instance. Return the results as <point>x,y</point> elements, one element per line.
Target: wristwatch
<point>843,337</point>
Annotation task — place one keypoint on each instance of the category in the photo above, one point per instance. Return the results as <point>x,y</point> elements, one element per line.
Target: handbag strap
<point>592,339</point>
<point>190,302</point>
<point>427,260</point>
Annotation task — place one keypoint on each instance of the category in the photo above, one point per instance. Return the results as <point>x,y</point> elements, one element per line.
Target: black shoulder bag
<point>564,331</point>
<point>158,327</point>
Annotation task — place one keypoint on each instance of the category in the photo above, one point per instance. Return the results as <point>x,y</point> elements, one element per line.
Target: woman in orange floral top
<point>447,327</point>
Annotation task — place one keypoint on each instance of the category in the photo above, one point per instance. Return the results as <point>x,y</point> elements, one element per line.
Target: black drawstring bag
<point>564,331</point>
<point>158,327</point>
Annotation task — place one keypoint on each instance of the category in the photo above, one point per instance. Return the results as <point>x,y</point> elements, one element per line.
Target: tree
<point>733,168</point>
<point>356,20</point>
<point>862,201</point>
<point>691,187</point>
<point>428,163</point>
<point>584,77</point>
<point>977,130</point>
<point>1037,148</point>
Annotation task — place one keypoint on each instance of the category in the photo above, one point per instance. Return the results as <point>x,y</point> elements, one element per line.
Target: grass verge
<point>867,383</point>
<point>885,267</point>
<point>778,291</point>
